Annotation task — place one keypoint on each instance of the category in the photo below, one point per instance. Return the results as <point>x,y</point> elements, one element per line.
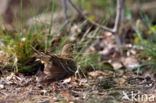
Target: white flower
<point>23,39</point>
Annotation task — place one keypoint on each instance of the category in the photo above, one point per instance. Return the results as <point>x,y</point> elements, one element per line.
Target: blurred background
<point>106,70</point>
<point>40,23</point>
<point>21,10</point>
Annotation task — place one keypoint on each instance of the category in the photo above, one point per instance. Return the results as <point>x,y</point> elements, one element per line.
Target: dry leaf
<point>117,65</point>
<point>67,80</point>
<point>130,62</point>
<point>120,81</point>
<point>97,73</point>
<point>67,95</point>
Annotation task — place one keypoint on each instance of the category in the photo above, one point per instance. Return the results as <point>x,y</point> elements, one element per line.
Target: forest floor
<point>97,87</point>
<point>125,82</point>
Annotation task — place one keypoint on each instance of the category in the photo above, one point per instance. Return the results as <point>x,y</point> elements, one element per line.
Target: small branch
<point>119,12</point>
<point>115,30</point>
<point>75,8</point>
<point>86,18</point>
<point>64,6</point>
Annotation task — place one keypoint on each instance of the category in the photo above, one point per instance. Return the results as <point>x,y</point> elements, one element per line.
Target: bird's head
<point>67,50</point>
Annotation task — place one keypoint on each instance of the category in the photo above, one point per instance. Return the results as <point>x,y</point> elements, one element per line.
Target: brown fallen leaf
<point>130,62</point>
<point>67,95</point>
<point>117,65</point>
<point>120,81</point>
<point>97,73</point>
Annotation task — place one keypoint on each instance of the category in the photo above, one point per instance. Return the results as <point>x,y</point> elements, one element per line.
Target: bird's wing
<point>67,65</point>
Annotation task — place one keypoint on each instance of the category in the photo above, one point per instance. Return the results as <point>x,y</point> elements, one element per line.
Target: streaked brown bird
<point>58,66</point>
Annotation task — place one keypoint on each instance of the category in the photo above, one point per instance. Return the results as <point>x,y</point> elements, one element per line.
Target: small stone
<point>1,86</point>
<point>43,92</point>
<point>44,101</point>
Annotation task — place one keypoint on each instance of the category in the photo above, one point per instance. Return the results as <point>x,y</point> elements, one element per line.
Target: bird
<point>58,66</point>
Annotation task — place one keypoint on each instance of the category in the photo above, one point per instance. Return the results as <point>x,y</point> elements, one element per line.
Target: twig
<point>64,6</point>
<point>119,14</point>
<point>36,51</point>
<point>4,93</point>
<point>115,30</point>
<point>85,17</point>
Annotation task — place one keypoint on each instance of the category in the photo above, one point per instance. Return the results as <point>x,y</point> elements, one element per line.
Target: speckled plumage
<point>58,66</point>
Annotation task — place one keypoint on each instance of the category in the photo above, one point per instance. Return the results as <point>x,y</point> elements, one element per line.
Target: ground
<point>107,73</point>
<point>98,87</point>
